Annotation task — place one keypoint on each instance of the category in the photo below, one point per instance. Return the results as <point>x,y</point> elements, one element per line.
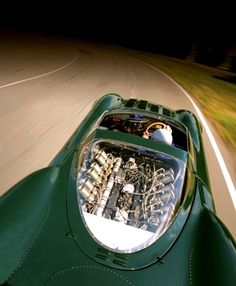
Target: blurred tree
<point>233,65</point>
<point>211,54</point>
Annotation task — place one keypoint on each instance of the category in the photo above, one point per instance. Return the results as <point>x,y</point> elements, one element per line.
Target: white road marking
<point>224,169</point>
<point>41,75</point>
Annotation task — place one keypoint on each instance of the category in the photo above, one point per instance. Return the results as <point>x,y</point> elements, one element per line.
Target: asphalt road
<point>48,85</point>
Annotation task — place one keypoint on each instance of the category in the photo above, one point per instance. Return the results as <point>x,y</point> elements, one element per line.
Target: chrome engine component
<point>108,188</point>
<point>129,188</point>
<point>121,184</point>
<point>86,191</point>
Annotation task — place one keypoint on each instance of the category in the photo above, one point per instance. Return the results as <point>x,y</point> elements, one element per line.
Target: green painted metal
<point>43,240</point>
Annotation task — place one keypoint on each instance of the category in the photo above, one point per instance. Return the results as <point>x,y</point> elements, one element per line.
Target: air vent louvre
<point>130,102</point>
<point>119,262</point>
<point>155,108</point>
<point>102,250</point>
<point>119,256</point>
<point>109,257</point>
<point>166,111</point>
<point>142,104</point>
<point>101,256</point>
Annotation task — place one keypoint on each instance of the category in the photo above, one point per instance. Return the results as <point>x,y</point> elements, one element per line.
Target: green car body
<point>44,239</point>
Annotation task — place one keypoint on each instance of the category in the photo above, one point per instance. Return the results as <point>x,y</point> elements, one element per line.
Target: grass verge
<point>214,89</point>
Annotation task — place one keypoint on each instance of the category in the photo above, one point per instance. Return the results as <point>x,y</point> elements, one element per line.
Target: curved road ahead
<point>48,85</point>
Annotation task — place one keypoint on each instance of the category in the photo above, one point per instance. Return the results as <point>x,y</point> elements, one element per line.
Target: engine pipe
<point>109,186</point>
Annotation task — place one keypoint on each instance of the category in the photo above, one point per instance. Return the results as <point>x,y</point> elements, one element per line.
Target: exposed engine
<point>136,187</point>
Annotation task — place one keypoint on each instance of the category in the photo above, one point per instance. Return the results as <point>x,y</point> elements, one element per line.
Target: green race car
<point>127,201</point>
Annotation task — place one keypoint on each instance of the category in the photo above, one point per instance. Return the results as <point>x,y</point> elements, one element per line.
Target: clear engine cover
<point>128,195</point>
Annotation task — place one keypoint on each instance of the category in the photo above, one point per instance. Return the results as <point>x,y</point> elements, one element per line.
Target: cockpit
<point>146,127</point>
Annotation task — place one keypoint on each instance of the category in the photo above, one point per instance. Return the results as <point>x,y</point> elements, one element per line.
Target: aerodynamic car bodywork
<point>119,205</point>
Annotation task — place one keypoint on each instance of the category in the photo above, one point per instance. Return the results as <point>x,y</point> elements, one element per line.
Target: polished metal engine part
<point>123,186</point>
<point>108,188</point>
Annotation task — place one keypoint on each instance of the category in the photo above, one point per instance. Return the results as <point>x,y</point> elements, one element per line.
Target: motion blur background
<point>205,32</point>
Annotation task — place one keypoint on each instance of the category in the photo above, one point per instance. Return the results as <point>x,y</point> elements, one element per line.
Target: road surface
<point>47,86</point>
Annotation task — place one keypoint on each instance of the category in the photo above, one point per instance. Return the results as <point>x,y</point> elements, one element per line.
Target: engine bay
<point>130,185</point>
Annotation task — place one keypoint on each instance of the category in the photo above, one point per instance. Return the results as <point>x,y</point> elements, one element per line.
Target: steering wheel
<point>157,125</point>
